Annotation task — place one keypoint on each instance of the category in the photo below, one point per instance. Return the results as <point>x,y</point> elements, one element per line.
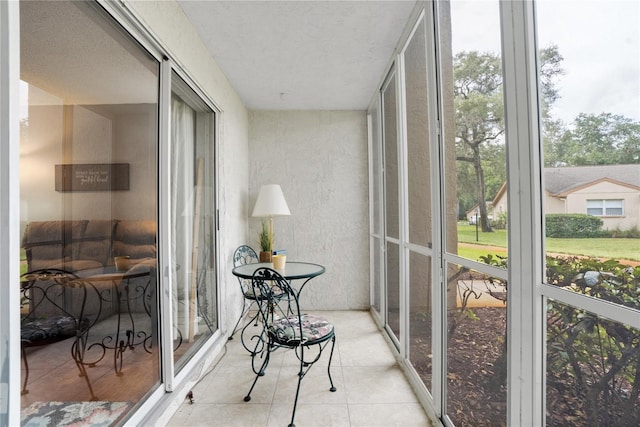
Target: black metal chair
<point>245,255</point>
<point>285,327</point>
<point>53,308</point>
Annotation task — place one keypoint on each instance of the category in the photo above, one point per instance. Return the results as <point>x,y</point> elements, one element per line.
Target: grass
<point>607,248</point>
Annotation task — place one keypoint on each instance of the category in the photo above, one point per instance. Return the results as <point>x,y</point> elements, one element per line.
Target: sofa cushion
<point>76,245</point>
<point>136,239</point>
<point>47,242</point>
<point>95,243</point>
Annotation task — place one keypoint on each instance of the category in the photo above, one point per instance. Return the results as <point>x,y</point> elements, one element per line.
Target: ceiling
<point>301,55</point>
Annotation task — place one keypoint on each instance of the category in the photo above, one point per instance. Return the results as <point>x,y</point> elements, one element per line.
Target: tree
<point>603,139</point>
<point>479,111</point>
<point>479,114</point>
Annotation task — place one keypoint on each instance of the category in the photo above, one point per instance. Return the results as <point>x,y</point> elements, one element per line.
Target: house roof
<point>564,180</point>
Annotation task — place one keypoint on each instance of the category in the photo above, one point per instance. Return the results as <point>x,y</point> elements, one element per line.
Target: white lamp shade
<point>270,202</point>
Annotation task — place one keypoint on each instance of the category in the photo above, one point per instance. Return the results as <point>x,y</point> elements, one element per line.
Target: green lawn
<point>619,249</point>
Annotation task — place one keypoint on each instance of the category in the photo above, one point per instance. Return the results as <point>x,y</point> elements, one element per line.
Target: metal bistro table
<point>292,271</point>
<point>123,292</point>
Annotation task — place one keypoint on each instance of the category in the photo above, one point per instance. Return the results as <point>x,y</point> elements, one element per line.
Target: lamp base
<point>265,256</point>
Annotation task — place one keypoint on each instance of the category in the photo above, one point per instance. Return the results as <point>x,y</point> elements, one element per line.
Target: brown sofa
<point>86,248</point>
<point>88,244</point>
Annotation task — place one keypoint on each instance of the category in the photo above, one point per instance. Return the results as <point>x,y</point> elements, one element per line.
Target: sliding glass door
<point>89,206</point>
<point>101,329</point>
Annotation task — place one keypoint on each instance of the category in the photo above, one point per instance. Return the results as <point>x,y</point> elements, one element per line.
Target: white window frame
<point>9,211</point>
<point>604,206</point>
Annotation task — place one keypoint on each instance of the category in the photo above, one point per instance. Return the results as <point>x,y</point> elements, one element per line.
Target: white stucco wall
<point>319,158</point>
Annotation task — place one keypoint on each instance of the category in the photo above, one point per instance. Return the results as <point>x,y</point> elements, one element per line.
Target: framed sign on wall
<point>92,177</point>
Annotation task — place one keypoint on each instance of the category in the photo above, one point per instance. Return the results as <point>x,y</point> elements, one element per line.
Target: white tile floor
<point>371,389</point>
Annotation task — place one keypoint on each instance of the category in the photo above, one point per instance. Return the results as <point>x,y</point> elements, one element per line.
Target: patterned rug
<point>73,414</point>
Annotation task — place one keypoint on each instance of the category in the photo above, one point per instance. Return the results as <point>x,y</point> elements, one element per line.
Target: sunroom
<point>137,135</point>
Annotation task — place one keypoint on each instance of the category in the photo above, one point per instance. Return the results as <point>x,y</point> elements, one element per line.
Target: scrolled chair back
<point>244,255</point>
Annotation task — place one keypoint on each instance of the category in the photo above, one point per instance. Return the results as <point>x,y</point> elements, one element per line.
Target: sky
<point>599,41</point>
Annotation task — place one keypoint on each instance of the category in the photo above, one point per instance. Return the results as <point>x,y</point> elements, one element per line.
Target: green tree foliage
<point>603,139</point>
<point>550,69</point>
<point>479,114</point>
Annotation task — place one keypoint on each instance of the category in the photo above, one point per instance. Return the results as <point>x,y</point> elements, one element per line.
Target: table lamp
<point>270,203</point>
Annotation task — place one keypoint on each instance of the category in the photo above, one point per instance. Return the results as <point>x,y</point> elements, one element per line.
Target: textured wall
<point>319,158</point>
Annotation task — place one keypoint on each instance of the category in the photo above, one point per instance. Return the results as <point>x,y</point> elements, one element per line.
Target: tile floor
<point>371,388</point>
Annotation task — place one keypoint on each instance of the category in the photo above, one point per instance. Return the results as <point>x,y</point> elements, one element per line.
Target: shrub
<point>572,225</point>
<point>593,364</point>
<point>632,233</point>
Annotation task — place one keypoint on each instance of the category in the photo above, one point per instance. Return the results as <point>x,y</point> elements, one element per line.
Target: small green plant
<point>263,237</point>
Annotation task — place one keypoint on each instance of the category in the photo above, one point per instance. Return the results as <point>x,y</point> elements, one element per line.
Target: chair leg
<point>303,372</point>
<point>244,311</point>
<point>26,371</point>
<point>259,374</point>
<point>333,343</point>
<point>295,401</point>
<point>77,352</point>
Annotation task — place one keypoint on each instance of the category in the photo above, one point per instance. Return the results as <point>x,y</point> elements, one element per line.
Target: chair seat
<point>315,329</point>
<point>48,330</point>
<point>255,295</point>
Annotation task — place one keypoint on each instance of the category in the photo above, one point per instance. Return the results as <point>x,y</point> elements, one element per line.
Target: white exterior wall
<point>500,206</point>
<point>554,205</point>
<point>319,158</point>
<point>577,203</point>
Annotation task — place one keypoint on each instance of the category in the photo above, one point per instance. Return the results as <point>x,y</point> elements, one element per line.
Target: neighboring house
<point>611,192</point>
<point>471,213</point>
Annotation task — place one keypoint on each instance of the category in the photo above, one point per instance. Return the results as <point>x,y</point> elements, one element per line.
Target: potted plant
<point>265,243</point>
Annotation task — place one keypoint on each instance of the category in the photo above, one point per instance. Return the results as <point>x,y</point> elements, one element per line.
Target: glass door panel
<point>376,192</point>
<point>476,358</point>
<point>421,316</point>
<point>418,155</point>
<point>475,232</point>
<point>392,220</point>
<point>592,369</point>
<point>419,208</point>
<point>478,129</point>
<point>88,188</point>
<point>194,291</point>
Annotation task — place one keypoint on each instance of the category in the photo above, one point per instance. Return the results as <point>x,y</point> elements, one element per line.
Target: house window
<point>605,207</point>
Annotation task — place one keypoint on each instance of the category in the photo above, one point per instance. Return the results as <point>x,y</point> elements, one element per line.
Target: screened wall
<point>508,168</point>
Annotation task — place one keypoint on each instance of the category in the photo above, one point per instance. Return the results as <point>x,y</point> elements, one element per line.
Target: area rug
<point>73,414</point>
